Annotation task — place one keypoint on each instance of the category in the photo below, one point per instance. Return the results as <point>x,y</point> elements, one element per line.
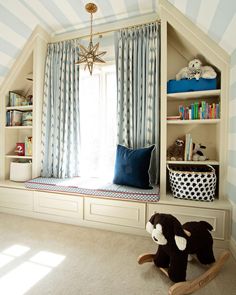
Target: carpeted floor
<point>41,258</point>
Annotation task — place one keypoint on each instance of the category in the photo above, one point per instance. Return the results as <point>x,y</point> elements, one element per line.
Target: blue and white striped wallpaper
<point>217,18</point>
<point>18,18</point>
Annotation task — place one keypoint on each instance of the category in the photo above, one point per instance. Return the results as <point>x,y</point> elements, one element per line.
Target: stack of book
<point>14,118</point>
<point>16,99</point>
<point>27,118</point>
<point>202,110</point>
<point>173,118</point>
<point>18,118</point>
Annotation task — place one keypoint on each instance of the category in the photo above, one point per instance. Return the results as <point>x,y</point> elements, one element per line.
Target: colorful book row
<point>202,110</point>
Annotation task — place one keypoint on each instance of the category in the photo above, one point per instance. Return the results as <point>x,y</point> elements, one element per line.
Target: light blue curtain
<point>60,116</point>
<point>137,62</point>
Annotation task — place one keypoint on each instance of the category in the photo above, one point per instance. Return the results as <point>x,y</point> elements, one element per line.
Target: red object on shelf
<point>20,149</point>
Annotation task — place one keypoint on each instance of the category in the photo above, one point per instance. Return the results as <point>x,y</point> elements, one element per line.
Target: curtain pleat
<point>60,115</point>
<point>138,98</point>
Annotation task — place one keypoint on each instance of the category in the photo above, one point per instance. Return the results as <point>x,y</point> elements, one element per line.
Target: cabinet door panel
<point>16,199</point>
<point>58,204</point>
<point>115,212</point>
<point>184,214</point>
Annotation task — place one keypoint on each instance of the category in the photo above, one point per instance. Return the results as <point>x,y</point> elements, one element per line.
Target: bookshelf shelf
<point>18,157</point>
<point>208,162</point>
<point>193,95</point>
<point>18,127</point>
<point>12,184</point>
<point>197,121</point>
<point>20,108</point>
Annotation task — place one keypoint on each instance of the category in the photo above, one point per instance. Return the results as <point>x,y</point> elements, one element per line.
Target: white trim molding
<point>232,247</point>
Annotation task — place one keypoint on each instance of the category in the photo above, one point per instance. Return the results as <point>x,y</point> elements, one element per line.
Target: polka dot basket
<point>193,182</point>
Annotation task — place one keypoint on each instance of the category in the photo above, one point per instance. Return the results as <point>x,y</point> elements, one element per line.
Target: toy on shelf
<point>176,151</point>
<point>195,70</point>
<point>20,149</point>
<point>175,242</point>
<point>28,146</point>
<point>198,152</point>
<point>194,77</point>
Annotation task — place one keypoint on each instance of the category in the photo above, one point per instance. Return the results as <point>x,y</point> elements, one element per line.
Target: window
<point>98,122</point>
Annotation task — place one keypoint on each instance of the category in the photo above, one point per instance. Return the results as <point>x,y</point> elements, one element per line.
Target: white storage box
<point>20,171</point>
<point>193,183</point>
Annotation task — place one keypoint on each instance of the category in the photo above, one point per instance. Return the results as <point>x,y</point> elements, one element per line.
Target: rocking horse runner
<point>176,242</point>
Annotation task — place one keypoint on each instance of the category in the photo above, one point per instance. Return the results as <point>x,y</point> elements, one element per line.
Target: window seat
<point>94,187</point>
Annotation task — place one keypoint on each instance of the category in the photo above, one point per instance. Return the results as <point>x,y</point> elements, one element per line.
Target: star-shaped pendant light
<point>90,56</point>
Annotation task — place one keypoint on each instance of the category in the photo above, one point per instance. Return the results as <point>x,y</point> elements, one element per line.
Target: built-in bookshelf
<point>207,128</point>
<point>21,109</point>
<point>204,131</point>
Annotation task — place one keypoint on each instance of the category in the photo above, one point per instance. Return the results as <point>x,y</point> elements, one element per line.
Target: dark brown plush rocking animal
<point>176,242</point>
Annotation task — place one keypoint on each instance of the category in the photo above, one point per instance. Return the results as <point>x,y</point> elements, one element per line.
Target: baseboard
<point>232,247</point>
<point>76,221</point>
<point>222,244</point>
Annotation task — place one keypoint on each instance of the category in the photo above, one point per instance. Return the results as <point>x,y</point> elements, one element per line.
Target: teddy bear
<point>176,151</point>
<point>195,70</point>
<point>198,153</point>
<point>175,242</point>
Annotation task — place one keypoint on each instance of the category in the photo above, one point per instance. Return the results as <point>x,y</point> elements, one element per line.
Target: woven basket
<point>193,182</point>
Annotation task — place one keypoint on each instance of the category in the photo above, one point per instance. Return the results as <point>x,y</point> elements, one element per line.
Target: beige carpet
<point>40,258</point>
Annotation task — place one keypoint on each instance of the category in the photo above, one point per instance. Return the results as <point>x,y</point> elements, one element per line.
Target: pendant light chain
<point>90,55</point>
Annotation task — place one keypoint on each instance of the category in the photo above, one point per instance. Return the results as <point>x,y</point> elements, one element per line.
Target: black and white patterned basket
<point>193,182</point>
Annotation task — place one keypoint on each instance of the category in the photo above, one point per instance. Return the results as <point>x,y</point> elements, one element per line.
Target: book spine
<point>200,113</point>
<point>192,111</point>
<point>189,114</point>
<point>191,149</point>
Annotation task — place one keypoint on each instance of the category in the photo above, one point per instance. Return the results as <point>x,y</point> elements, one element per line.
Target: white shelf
<point>20,108</point>
<point>216,204</point>
<point>12,184</point>
<point>197,121</point>
<point>18,157</point>
<point>18,127</point>
<point>193,94</point>
<point>208,162</point>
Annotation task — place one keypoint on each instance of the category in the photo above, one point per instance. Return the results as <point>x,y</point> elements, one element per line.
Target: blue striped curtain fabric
<point>137,62</point>
<point>60,116</point>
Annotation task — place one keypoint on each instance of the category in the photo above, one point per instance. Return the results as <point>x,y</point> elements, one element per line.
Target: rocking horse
<point>176,242</point>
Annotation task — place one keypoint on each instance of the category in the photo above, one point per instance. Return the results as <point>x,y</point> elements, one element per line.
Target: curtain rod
<point>158,21</point>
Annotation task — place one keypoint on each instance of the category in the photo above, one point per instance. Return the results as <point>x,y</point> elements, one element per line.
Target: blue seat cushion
<point>132,166</point>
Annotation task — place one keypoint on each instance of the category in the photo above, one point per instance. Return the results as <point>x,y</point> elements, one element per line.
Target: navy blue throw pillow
<point>132,165</point>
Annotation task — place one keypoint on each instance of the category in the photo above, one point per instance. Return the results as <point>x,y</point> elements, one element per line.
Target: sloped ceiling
<point>18,18</point>
<point>217,18</point>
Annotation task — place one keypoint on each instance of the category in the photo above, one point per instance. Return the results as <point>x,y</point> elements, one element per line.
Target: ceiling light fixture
<point>90,56</point>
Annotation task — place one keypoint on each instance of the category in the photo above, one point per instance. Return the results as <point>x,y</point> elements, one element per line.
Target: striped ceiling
<point>18,18</point>
<point>217,18</point>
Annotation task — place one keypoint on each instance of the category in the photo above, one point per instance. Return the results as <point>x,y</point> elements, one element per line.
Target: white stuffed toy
<point>198,152</point>
<point>195,70</point>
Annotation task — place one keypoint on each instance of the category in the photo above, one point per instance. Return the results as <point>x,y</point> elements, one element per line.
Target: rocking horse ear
<point>149,227</point>
<point>150,224</point>
<point>180,241</point>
